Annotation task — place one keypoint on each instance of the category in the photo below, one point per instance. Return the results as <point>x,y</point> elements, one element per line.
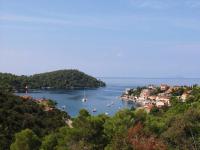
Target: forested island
<point>61,79</point>
<point>26,124</point>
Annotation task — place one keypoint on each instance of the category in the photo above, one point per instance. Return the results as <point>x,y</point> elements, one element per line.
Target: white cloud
<point>109,22</point>
<point>33,19</point>
<point>66,20</point>
<point>119,54</point>
<point>193,3</point>
<point>153,4</point>
<point>163,4</point>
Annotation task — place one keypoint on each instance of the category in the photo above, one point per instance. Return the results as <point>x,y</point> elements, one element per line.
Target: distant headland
<point>60,79</point>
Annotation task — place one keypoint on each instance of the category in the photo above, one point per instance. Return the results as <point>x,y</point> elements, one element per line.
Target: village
<point>156,96</point>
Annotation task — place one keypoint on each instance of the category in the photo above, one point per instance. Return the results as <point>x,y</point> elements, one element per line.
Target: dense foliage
<point>175,128</point>
<point>26,139</point>
<point>60,79</point>
<point>17,114</point>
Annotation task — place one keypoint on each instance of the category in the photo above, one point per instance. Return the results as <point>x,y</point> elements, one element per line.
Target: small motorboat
<point>106,113</point>
<point>94,110</point>
<point>63,107</point>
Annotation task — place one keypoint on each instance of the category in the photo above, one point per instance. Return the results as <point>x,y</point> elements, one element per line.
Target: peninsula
<point>60,79</point>
<point>157,96</point>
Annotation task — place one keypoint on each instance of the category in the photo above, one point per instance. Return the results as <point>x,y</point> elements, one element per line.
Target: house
<point>160,104</point>
<point>184,97</point>
<point>151,87</point>
<point>169,91</point>
<point>145,94</point>
<point>164,87</point>
<point>164,95</point>
<point>164,99</point>
<point>161,94</point>
<point>127,91</point>
<point>153,97</point>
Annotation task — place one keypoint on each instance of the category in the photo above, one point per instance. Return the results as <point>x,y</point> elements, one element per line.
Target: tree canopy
<point>174,127</point>
<point>26,140</point>
<point>60,79</point>
<point>17,114</point>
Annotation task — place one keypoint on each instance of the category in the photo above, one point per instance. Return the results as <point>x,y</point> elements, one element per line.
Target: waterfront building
<point>164,87</point>
<point>145,94</point>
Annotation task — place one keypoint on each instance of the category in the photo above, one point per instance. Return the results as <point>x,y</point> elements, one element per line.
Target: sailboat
<point>84,98</point>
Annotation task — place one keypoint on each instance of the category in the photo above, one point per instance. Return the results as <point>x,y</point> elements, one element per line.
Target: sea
<point>105,100</point>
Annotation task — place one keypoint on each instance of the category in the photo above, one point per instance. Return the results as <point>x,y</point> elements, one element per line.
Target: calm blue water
<point>101,97</point>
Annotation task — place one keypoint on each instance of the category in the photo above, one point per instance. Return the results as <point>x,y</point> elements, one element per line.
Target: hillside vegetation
<point>17,114</point>
<point>61,79</point>
<point>174,128</point>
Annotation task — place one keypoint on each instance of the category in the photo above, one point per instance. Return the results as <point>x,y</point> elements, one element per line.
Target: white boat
<point>63,107</point>
<point>94,110</point>
<point>106,113</point>
<point>84,98</point>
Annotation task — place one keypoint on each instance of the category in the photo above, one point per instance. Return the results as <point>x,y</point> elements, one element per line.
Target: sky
<point>104,38</point>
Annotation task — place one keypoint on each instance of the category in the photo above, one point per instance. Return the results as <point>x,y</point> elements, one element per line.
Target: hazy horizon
<point>114,77</point>
<point>116,38</point>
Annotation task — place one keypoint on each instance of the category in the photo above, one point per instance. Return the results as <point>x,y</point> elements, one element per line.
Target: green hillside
<point>25,125</point>
<point>17,114</point>
<point>61,79</point>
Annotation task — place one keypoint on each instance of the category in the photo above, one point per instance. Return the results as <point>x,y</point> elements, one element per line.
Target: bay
<point>100,98</point>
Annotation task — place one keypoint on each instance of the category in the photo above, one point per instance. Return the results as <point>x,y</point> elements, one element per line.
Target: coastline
<point>137,101</point>
<point>156,96</point>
